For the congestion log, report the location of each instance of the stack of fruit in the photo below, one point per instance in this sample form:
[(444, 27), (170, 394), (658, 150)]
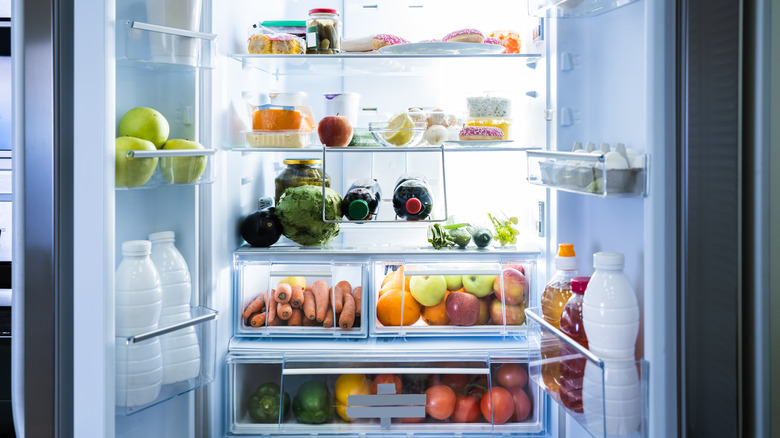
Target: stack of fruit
[(145, 129), (462, 300)]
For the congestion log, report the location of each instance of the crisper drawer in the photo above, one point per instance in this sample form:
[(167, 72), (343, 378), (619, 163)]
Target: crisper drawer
[(301, 299), (469, 297), (323, 395)]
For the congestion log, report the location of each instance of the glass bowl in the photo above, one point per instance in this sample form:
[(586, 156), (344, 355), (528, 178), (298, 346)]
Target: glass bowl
[(397, 137)]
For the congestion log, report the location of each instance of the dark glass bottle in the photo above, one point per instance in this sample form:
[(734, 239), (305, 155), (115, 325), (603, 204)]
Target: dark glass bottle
[(361, 202), (412, 198)]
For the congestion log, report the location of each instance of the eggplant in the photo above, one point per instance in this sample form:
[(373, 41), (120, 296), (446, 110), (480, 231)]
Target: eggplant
[(261, 228)]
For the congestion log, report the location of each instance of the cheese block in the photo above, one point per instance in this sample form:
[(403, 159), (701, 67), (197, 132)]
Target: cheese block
[(288, 118), (278, 139)]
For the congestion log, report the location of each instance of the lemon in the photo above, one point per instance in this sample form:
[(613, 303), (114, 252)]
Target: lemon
[(294, 281), (399, 130)]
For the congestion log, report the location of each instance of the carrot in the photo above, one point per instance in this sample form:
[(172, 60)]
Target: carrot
[(271, 309), (296, 298), (257, 319), (284, 311), (320, 291), (356, 296), (254, 306), (307, 288), (341, 289), (309, 322), (296, 319), (328, 321), (283, 293), (308, 304), (276, 322), (347, 317)]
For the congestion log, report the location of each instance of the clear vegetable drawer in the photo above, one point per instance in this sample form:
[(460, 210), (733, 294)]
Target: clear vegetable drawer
[(342, 393), (298, 298), (469, 297)]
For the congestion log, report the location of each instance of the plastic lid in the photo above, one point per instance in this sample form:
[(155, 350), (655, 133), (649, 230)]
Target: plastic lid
[(358, 209), (323, 11), (579, 284), (565, 259), (283, 23), (303, 161), (608, 260), (137, 247), (413, 205), (162, 235)]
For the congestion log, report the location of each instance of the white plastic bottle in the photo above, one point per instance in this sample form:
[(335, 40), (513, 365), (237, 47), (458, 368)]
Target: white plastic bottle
[(612, 401), (138, 307), (610, 311), (180, 349)]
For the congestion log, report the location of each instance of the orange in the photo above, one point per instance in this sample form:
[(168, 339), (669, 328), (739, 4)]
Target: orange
[(436, 315), (388, 277), (389, 308)]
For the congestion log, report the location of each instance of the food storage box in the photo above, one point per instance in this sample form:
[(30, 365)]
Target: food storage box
[(349, 392), (288, 138)]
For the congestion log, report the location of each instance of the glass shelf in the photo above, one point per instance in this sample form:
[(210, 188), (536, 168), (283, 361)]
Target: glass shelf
[(584, 173), (159, 47), (608, 398), (174, 167), (354, 64), (573, 8), (511, 147), (363, 251), (134, 349)]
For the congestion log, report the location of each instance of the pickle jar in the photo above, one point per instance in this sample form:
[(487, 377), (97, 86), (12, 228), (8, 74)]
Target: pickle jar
[(323, 32), (300, 172)]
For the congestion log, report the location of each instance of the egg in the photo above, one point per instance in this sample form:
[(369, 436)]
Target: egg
[(614, 160)]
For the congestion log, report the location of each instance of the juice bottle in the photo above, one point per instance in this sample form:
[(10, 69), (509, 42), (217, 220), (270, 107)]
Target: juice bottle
[(572, 370), (554, 297), (361, 202), (412, 198)]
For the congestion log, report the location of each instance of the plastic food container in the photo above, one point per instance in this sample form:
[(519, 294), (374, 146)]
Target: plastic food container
[(297, 28), (489, 105), (278, 139), (504, 124)]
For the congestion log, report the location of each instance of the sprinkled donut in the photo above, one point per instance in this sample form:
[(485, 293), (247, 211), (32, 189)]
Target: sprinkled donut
[(465, 36), (480, 133), (384, 39), (371, 42), (492, 40)]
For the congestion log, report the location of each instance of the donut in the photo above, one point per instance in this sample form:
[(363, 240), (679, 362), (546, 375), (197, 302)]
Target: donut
[(433, 40), (492, 40), (465, 36), (384, 39), (371, 42), (469, 133)]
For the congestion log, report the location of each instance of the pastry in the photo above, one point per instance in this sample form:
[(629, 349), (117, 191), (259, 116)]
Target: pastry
[(372, 42), (465, 36), (471, 133), (492, 40), (279, 44)]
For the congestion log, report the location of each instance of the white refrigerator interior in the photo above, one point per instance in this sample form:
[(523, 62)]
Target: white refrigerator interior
[(588, 72)]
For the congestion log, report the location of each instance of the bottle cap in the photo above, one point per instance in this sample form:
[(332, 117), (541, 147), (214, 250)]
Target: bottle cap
[(413, 205), (579, 284), (358, 209), (566, 258), (265, 202), (608, 260), (137, 247), (163, 236)]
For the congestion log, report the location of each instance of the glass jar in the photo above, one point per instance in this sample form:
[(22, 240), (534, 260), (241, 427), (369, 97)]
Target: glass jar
[(323, 32), (300, 172)]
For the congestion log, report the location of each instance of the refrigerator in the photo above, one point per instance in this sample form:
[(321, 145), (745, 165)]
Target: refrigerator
[(590, 71)]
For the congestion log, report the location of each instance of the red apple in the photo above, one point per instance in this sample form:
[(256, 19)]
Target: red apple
[(484, 311), (515, 287), (515, 315), (518, 267), (334, 131)]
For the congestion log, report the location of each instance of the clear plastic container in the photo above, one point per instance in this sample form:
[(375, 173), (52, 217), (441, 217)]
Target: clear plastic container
[(293, 138)]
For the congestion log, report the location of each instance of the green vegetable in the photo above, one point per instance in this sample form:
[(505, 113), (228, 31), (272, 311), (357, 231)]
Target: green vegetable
[(362, 137), (482, 236), (461, 236), (300, 212), (313, 403), (439, 237), (266, 401), (505, 230)]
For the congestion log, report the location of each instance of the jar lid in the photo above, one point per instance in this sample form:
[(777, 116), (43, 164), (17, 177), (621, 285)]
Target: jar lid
[(579, 284), (323, 11), (303, 161)]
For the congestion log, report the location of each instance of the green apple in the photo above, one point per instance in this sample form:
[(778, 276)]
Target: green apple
[(479, 285), (428, 290), (146, 124), (133, 172), (454, 282), (182, 170)]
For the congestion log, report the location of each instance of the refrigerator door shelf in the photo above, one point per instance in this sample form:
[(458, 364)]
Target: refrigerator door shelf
[(606, 397), (136, 361), (375, 389), (372, 64), (162, 47), (171, 167), (584, 173), (573, 8)]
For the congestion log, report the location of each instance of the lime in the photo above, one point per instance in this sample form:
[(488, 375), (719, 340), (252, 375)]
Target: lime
[(400, 130)]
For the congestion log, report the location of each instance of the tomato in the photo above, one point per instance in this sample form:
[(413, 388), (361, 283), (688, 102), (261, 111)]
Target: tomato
[(522, 404), (497, 405), (386, 378), (510, 375), (457, 382), (411, 419), (440, 402), (466, 409)]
